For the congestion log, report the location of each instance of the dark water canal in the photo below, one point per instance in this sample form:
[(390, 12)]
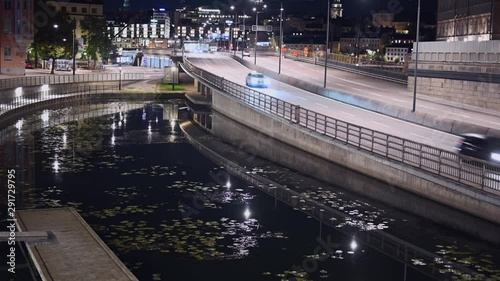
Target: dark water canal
[(137, 181)]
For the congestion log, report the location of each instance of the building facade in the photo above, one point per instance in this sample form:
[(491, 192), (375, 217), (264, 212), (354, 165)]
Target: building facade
[(359, 45), (400, 51), (461, 20), (151, 33), (17, 33), (77, 10)]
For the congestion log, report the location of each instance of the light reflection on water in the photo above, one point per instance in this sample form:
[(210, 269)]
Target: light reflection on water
[(145, 210)]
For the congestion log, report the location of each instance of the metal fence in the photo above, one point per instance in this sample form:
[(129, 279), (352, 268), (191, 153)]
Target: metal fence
[(470, 171), (27, 81), (14, 108)]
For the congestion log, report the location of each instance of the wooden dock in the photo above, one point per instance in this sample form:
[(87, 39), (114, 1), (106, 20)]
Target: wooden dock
[(79, 254)]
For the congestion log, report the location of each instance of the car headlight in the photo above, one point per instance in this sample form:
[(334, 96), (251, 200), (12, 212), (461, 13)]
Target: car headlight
[(495, 156)]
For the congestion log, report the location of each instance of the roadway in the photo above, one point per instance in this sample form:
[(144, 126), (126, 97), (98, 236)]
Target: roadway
[(380, 90), (235, 72)]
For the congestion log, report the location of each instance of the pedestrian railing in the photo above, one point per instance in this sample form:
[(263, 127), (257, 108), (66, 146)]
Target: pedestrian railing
[(13, 108), (473, 172), (89, 108), (28, 81)]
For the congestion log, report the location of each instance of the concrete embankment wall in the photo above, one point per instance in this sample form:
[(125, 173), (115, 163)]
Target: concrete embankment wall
[(464, 83), (437, 122), (461, 197), (350, 180)]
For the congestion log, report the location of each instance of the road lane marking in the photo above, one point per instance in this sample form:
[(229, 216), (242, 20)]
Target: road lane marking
[(428, 107), (420, 136), (346, 113), (340, 84), (397, 100), (458, 114), (322, 105), (496, 123), (356, 89), (300, 98), (374, 94), (380, 124)]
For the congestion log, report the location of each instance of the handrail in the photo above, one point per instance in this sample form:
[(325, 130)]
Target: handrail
[(473, 172), (27, 81)]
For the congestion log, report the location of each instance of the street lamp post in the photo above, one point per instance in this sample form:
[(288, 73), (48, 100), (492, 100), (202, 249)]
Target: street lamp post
[(74, 56), (120, 81), (256, 29), (416, 59), (235, 24), (281, 35), (327, 40), (244, 42)]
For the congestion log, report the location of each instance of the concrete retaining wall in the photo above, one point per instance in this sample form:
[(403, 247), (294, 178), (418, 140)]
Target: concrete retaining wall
[(469, 84), (448, 125), (458, 196), (320, 168)]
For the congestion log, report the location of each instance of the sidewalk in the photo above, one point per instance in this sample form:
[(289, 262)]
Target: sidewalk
[(153, 86)]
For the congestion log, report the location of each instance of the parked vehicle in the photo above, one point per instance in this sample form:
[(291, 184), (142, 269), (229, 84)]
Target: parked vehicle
[(28, 65), (246, 53), (255, 79), (64, 65), (479, 146)]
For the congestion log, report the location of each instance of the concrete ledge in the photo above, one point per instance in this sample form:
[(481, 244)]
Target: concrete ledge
[(468, 199)]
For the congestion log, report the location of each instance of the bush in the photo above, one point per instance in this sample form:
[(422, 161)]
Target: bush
[(396, 59)]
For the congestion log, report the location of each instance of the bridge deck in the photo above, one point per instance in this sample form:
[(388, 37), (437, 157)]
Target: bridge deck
[(79, 255)]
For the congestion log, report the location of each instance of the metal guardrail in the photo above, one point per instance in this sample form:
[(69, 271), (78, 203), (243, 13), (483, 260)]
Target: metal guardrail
[(14, 108), (378, 72), (27, 81), (91, 110), (473, 172)]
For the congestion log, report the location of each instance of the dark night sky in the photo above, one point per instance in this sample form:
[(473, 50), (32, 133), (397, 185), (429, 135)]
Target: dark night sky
[(352, 8)]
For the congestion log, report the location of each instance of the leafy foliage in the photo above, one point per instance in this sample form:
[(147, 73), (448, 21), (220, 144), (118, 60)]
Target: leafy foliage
[(54, 39), (98, 43)]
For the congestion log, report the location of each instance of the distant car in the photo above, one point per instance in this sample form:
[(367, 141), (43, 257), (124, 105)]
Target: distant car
[(255, 79), (28, 65), (479, 146), (246, 53)]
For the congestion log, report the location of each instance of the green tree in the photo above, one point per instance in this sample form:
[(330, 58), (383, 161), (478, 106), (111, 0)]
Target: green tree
[(97, 39), (396, 59), (54, 39)]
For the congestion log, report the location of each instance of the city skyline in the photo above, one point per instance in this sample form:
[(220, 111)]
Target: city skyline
[(405, 9)]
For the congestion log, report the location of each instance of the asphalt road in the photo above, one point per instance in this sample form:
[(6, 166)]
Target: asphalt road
[(386, 92), (233, 71)]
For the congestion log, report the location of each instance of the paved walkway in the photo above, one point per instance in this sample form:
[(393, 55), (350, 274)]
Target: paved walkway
[(80, 255)]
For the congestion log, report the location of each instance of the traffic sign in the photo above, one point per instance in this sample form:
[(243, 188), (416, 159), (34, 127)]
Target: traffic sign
[(269, 28)]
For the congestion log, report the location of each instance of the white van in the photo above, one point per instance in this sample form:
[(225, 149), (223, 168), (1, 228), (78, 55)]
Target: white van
[(64, 65)]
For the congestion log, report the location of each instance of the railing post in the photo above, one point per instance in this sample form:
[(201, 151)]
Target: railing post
[(297, 114)]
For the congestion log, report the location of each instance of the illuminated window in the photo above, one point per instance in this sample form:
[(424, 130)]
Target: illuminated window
[(7, 55)]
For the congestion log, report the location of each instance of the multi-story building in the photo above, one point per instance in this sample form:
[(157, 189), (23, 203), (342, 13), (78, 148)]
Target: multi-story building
[(154, 31), (400, 51), (353, 45), (17, 33), (77, 11), (387, 20), (468, 20)]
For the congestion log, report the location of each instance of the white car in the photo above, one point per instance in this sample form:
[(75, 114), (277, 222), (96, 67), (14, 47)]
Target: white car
[(246, 54), (255, 79)]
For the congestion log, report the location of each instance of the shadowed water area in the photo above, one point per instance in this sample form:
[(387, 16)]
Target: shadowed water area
[(158, 203)]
